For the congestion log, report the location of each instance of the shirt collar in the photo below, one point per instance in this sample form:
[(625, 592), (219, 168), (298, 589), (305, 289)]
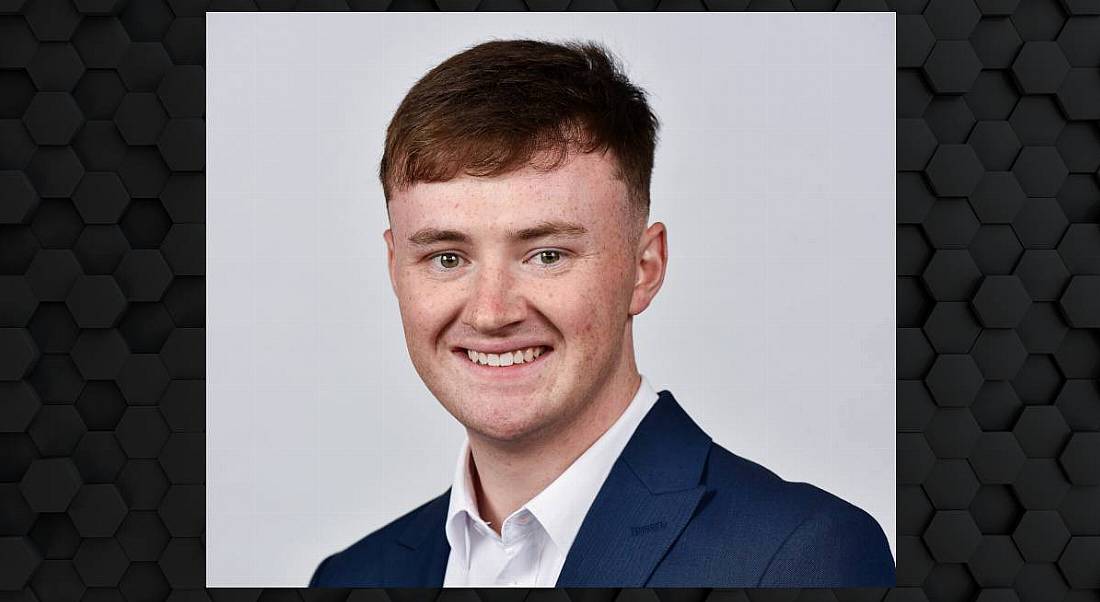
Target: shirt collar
[(561, 507)]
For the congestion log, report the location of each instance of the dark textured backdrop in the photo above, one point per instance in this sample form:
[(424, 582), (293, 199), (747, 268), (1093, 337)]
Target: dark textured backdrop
[(102, 300)]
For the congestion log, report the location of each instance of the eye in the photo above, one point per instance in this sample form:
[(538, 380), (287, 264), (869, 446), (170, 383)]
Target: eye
[(547, 257), (448, 260)]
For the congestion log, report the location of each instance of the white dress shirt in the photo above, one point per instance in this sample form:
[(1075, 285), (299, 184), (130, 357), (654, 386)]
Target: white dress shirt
[(535, 539)]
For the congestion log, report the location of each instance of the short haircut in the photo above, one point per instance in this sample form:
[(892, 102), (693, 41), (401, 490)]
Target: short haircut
[(502, 105)]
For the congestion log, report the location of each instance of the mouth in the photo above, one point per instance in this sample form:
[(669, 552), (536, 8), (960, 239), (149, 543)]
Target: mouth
[(513, 361)]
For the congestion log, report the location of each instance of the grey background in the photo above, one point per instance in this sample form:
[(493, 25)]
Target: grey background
[(774, 174)]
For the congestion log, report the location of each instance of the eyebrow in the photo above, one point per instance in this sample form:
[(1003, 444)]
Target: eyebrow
[(429, 236)]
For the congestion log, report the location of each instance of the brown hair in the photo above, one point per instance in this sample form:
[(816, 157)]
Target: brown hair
[(496, 107)]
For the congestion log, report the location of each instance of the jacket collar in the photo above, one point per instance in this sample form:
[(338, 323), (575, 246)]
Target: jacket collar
[(642, 507)]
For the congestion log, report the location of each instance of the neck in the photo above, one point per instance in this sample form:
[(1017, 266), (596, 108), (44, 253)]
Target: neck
[(507, 475)]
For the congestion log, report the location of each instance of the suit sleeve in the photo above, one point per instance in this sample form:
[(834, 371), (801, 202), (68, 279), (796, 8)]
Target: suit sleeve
[(841, 547), (318, 580)]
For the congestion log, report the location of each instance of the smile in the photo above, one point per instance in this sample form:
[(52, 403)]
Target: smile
[(507, 358)]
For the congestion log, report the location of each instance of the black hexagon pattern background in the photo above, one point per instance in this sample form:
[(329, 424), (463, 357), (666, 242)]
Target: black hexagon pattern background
[(102, 293)]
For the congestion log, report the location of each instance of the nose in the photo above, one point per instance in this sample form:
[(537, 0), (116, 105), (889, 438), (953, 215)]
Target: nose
[(494, 302)]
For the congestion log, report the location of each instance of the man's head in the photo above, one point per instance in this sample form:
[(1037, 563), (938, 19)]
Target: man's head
[(517, 179)]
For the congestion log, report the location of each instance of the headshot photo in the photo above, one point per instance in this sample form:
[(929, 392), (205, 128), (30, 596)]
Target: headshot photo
[(530, 306)]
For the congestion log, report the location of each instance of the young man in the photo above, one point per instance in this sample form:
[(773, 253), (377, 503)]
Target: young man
[(516, 177)]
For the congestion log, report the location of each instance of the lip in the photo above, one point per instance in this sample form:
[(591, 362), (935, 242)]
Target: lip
[(499, 347), (502, 372)]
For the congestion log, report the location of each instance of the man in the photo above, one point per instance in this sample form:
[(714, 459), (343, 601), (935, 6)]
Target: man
[(516, 177)]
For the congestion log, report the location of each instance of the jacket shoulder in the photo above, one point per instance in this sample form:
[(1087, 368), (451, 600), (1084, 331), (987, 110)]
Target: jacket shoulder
[(805, 536), (360, 564)]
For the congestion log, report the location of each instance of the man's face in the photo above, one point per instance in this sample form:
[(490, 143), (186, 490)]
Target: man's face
[(516, 292)]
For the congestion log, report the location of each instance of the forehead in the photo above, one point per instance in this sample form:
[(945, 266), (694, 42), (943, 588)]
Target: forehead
[(582, 189)]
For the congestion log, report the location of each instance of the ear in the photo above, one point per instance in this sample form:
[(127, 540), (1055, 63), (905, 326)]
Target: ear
[(391, 259), (652, 259)]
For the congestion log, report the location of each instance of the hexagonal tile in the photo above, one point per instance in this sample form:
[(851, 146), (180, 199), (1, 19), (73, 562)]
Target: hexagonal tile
[(100, 405), (1040, 224), (17, 43), (1043, 274), (183, 458), (183, 563), (1080, 41), (146, 326), (186, 301), (18, 516), (52, 274), (18, 302), (49, 484), (952, 433), (952, 67), (951, 19), (915, 355), (182, 510), (1040, 67), (96, 301), (184, 408), (19, 353), (56, 429), (1038, 19), (1038, 582), (1079, 94), (100, 198), (55, 535), (914, 561), (99, 353), (56, 224), (143, 378), (140, 118), (55, 171), (951, 275), (1042, 328), (55, 67), (1079, 459), (995, 249), (99, 93), (148, 21), (18, 147), (1080, 198), (1001, 301), (1079, 354), (914, 459), (950, 582), (951, 484), (1038, 381), (143, 171), (1081, 7), (997, 198), (993, 95), (99, 146), (1079, 402), (1041, 484), (184, 197), (995, 562), (100, 562), (913, 251), (913, 94), (996, 43), (914, 510), (20, 562), (142, 483), (143, 536), (1081, 562), (913, 303), (1037, 120), (995, 143), (186, 41), (18, 91), (950, 119), (97, 510), (997, 458), (999, 354), (951, 327), (20, 200), (184, 249), (995, 510), (146, 223), (144, 581), (142, 432), (1041, 536), (101, 42), (1079, 302), (1079, 146), (98, 457), (143, 65), (100, 248), (1080, 248), (952, 536), (1041, 431), (56, 379), (1040, 170), (143, 275), (955, 170), (20, 405), (182, 91), (914, 40), (950, 224), (915, 144), (52, 20)]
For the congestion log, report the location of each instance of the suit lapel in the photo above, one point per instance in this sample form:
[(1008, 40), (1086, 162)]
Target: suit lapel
[(418, 558), (644, 504)]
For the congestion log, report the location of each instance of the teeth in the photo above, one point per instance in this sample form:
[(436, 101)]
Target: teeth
[(519, 356)]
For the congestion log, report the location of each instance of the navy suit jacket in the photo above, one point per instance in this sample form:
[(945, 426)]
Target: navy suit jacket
[(676, 510)]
